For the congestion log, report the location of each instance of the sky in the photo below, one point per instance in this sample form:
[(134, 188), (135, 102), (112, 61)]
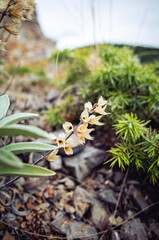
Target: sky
[(75, 23)]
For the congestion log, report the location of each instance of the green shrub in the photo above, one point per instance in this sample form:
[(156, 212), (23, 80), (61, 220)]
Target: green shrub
[(129, 86), (138, 147)]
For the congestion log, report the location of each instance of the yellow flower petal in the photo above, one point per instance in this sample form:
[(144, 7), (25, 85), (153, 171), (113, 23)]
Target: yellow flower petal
[(52, 156), (82, 127)]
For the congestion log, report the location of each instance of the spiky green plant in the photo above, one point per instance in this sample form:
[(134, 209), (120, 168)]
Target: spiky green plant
[(138, 147)]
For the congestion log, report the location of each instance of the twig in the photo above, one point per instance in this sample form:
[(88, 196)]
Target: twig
[(83, 237), (121, 190), (119, 197)]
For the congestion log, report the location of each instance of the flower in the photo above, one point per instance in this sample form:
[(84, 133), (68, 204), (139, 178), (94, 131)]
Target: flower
[(83, 132), (61, 140), (68, 127), (95, 120), (88, 106), (11, 28), (100, 110), (68, 147), (85, 116), (82, 127), (52, 156), (53, 138), (3, 5), (101, 101), (16, 11)]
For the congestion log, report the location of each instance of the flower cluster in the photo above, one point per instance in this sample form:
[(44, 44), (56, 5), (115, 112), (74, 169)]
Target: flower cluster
[(82, 131), (12, 12)]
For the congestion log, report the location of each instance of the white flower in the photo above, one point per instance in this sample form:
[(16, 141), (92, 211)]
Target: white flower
[(61, 140), (53, 138), (68, 147), (88, 106), (95, 120), (85, 116), (101, 101), (100, 110), (68, 127)]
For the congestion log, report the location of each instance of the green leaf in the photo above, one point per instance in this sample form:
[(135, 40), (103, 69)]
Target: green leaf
[(29, 147), (9, 159), (26, 170), (16, 118), (4, 105), (18, 129)]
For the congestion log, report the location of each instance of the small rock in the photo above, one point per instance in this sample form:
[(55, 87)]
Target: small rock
[(72, 228), (134, 229), (70, 184), (99, 214), (117, 177), (53, 94), (137, 195), (107, 195), (57, 165), (82, 201), (69, 209), (83, 163)]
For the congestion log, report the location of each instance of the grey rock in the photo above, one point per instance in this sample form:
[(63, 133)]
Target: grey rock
[(82, 201), (117, 177), (139, 198), (83, 163), (70, 184), (99, 214), (53, 94), (107, 195), (57, 165), (134, 229), (72, 228)]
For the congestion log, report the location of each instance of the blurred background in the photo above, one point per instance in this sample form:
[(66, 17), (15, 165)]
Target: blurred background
[(76, 23)]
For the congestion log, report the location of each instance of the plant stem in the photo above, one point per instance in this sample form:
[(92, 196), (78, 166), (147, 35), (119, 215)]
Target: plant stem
[(121, 191)]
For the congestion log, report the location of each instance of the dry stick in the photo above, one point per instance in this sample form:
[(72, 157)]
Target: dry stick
[(121, 190), (91, 235), (119, 197)]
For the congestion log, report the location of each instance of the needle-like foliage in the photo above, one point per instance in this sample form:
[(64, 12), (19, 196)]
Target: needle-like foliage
[(138, 146)]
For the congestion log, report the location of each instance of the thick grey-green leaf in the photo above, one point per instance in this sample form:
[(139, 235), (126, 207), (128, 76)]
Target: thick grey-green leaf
[(29, 147), (18, 129), (26, 170), (16, 118), (9, 159), (4, 105)]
